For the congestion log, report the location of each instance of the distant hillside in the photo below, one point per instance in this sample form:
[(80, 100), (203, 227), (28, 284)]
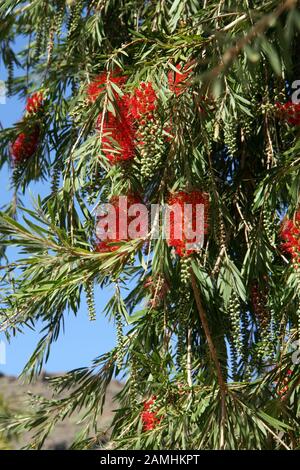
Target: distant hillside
[(15, 394)]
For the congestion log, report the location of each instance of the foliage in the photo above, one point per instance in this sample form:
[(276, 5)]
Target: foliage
[(6, 436), (215, 368)]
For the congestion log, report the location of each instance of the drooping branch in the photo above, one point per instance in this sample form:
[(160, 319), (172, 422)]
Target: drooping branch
[(213, 353)]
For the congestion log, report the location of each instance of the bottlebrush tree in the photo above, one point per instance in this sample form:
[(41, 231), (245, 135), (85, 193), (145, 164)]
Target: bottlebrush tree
[(162, 101)]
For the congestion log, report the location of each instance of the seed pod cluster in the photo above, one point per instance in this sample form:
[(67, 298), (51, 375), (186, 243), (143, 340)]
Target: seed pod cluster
[(185, 269), (231, 137), (90, 299), (234, 314), (149, 132), (259, 300)]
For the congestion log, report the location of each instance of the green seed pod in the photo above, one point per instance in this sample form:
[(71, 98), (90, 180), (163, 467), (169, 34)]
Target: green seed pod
[(230, 137), (120, 338), (89, 290), (234, 314)]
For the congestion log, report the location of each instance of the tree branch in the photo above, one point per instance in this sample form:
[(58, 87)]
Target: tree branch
[(259, 28), (214, 355)]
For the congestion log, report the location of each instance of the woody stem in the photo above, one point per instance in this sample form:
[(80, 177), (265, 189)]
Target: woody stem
[(213, 353)]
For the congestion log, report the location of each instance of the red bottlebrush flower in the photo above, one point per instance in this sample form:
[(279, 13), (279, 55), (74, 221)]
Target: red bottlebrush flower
[(182, 223), (289, 112), (290, 234), (97, 86), (142, 103), (25, 146), (107, 245), (103, 246), (122, 216), (118, 133), (35, 102), (177, 80), (117, 138), (117, 130), (149, 415)]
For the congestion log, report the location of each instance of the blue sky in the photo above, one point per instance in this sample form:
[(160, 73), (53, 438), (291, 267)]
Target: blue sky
[(82, 340)]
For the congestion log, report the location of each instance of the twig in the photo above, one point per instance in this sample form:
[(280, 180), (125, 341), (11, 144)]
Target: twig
[(269, 146), (189, 358), (235, 22), (218, 262), (276, 437), (247, 228)]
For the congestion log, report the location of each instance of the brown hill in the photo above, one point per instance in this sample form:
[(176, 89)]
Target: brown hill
[(16, 396)]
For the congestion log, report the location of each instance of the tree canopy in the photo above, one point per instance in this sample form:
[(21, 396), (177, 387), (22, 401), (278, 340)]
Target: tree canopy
[(161, 102)]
